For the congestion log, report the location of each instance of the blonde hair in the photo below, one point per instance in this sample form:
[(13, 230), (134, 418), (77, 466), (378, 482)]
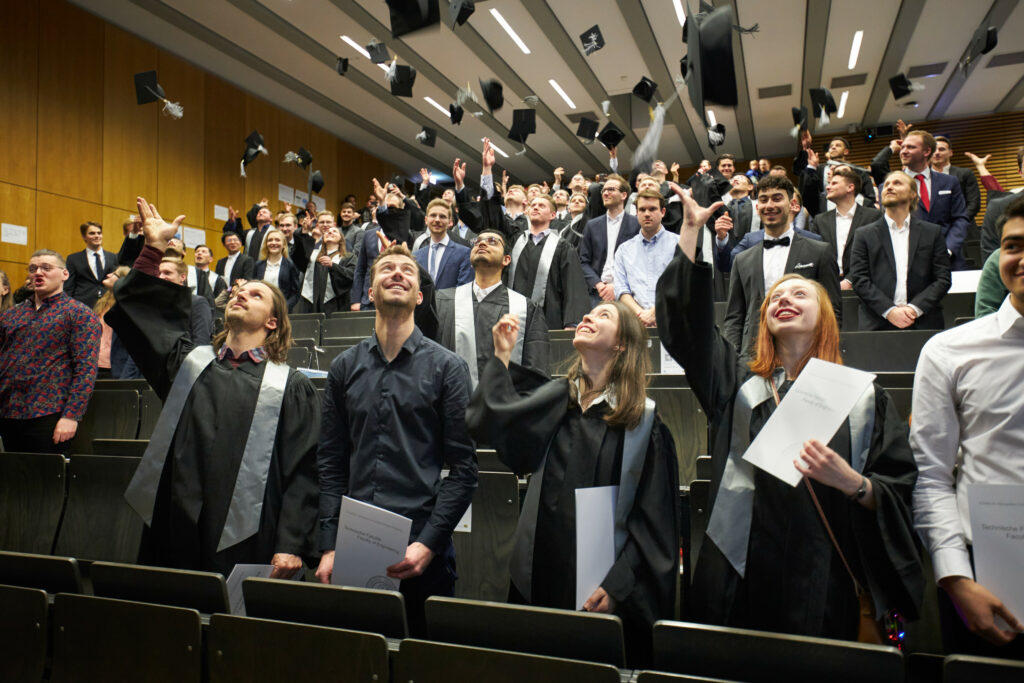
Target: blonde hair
[(106, 302), (265, 253)]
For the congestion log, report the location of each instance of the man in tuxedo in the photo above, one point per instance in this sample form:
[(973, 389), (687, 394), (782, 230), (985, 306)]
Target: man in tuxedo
[(781, 250), (87, 268), (899, 266), (990, 233), (235, 265), (941, 199), (602, 236), (201, 280), (446, 261), (968, 182), (837, 227)]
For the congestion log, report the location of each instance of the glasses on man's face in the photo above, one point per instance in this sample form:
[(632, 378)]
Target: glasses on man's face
[(45, 267), (489, 240)]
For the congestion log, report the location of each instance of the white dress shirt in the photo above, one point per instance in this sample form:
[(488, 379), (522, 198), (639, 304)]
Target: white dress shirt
[(482, 294), (967, 396), (774, 259), (90, 257), (900, 236), (273, 273), (608, 270), (230, 264), (927, 189), (843, 225)]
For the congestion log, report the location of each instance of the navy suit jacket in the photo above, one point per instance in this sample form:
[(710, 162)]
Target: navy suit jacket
[(594, 245), (725, 258), (289, 279), (454, 269), (368, 251)]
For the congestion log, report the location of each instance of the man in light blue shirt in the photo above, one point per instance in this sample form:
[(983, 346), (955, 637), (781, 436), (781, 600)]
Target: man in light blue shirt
[(640, 260)]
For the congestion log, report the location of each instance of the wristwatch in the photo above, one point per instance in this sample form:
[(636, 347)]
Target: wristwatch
[(862, 491)]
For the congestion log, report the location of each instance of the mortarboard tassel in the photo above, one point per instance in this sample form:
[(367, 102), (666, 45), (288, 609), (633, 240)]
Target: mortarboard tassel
[(173, 109), (465, 95), (647, 151), (715, 138), (794, 132), (532, 101), (756, 28), (241, 167), (392, 70), (823, 120), (421, 136), (291, 157), (521, 152)]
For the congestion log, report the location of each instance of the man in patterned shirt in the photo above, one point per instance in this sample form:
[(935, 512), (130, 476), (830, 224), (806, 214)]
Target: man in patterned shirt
[(48, 348)]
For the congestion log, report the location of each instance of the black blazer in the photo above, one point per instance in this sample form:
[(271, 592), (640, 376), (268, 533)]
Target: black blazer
[(990, 235), (807, 257), (594, 245), (824, 224), (289, 280), (969, 186), (873, 273), (243, 269), (81, 283)]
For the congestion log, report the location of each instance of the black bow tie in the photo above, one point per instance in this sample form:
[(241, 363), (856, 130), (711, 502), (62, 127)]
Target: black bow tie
[(781, 242)]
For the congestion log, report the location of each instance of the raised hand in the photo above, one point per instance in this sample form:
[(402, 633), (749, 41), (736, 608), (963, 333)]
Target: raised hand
[(459, 174), (723, 226), (425, 175), (805, 139), (902, 128), (558, 173), (812, 157), (694, 218), (378, 191), (487, 158), (155, 229), (264, 202), (384, 241), (895, 144), (232, 214), (505, 333)]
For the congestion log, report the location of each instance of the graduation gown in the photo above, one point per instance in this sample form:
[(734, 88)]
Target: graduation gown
[(565, 300), (339, 275), (581, 451), (794, 580), (151, 318)]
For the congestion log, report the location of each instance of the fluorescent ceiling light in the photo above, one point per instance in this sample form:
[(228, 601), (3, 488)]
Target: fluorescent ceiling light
[(842, 104), (508, 29), (855, 49), (711, 118), (356, 46), (496, 149), (680, 14), (558, 89), (435, 105)]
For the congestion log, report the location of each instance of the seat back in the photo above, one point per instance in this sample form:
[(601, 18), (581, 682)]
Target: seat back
[(150, 406), (45, 572), (347, 325), (133, 448), (23, 633), (662, 677), (326, 354), (687, 422), (885, 351), (205, 592), (111, 414), (700, 513), (306, 328), (298, 357), (484, 553), (968, 669), (31, 500)]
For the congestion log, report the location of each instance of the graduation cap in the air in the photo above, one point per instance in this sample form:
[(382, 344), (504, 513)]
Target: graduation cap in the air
[(901, 86), (316, 182), (611, 135), (378, 52), (710, 71), (342, 65), (148, 90), (412, 15), (592, 40), (427, 136), (303, 158), (524, 122), (799, 121), (982, 42), (455, 112), (824, 104), (493, 94), (253, 148), (645, 89), (587, 129), (400, 78), (459, 12), (716, 135)]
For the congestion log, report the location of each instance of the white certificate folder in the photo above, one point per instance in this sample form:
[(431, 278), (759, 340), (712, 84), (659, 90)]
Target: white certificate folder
[(997, 531), (370, 539)]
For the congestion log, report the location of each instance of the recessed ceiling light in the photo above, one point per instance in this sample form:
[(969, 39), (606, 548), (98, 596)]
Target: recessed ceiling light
[(712, 121), (680, 14), (433, 103), (356, 46), (508, 29), (558, 89), (496, 149), (842, 104), (855, 49)]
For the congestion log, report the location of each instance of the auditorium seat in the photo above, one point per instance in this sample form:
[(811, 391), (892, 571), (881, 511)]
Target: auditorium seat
[(98, 523), (851, 312), (111, 384), (31, 500), (921, 667), (205, 592), (298, 357), (586, 636), (703, 470), (662, 677), (759, 656), (344, 324), (487, 460), (325, 354), (45, 572), (957, 305), (149, 411), (359, 609), (133, 448), (98, 639), (967, 669), (343, 342), (304, 327), (427, 662), (248, 649), (482, 555), (886, 351), (111, 415), (23, 634)]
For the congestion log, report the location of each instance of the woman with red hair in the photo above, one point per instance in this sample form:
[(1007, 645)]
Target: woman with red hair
[(769, 561)]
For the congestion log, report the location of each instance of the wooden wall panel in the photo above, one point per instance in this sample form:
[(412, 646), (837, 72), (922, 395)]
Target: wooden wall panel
[(16, 272), (70, 127), (327, 163), (180, 177), (18, 207), (19, 83), (292, 133), (356, 168), (224, 139), (58, 219), (263, 173)]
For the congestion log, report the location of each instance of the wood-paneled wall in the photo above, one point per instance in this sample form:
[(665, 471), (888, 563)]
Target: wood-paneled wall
[(76, 147)]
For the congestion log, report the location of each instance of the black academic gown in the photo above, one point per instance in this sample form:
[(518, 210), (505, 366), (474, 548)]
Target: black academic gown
[(525, 421), (151, 318), (339, 275), (566, 300), (795, 581)]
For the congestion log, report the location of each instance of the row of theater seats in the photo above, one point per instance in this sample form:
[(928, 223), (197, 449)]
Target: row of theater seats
[(139, 623)]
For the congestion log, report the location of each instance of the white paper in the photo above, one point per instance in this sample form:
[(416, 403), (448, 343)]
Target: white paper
[(301, 198), (320, 202), (14, 234), (220, 213), (813, 408), (465, 524), (240, 573), (194, 237), (997, 528), (370, 539), (669, 366), (595, 538), (285, 193), (965, 281)]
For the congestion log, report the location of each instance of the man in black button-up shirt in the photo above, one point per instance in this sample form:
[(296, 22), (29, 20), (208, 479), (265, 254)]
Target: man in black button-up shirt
[(393, 417)]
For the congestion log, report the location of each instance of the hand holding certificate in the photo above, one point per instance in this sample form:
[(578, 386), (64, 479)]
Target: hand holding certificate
[(997, 530)]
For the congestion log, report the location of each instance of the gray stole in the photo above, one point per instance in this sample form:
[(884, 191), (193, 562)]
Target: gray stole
[(634, 454), (247, 499), (192, 279), (729, 526), (465, 328), (547, 255)]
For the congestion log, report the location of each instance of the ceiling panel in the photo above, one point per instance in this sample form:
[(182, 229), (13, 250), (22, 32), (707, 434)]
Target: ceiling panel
[(985, 88)]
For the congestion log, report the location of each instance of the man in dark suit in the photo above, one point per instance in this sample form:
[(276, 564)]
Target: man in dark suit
[(87, 268), (965, 176), (837, 152), (725, 258), (780, 251), (990, 234), (602, 236), (941, 199), (200, 280), (899, 266), (837, 227), (445, 260), (300, 245), (235, 265)]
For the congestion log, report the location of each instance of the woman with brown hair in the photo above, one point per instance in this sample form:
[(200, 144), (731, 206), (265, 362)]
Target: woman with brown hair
[(328, 279), (768, 562), (594, 428)]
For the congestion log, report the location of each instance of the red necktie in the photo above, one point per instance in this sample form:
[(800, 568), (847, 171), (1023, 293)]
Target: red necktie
[(922, 190)]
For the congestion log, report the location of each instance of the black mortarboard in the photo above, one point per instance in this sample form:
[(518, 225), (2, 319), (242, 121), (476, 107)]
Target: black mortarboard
[(524, 122), (459, 12), (342, 65), (412, 15), (316, 182), (397, 180), (587, 129), (799, 120), (378, 52), (645, 89), (592, 40), (711, 73), (455, 112), (427, 136), (147, 89), (253, 148), (493, 94), (716, 135), (401, 83), (303, 158), (611, 135), (824, 104), (901, 86)]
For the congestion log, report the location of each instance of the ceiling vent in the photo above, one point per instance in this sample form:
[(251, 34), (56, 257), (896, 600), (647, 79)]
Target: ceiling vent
[(926, 70), (1005, 59), (775, 91), (851, 81)]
